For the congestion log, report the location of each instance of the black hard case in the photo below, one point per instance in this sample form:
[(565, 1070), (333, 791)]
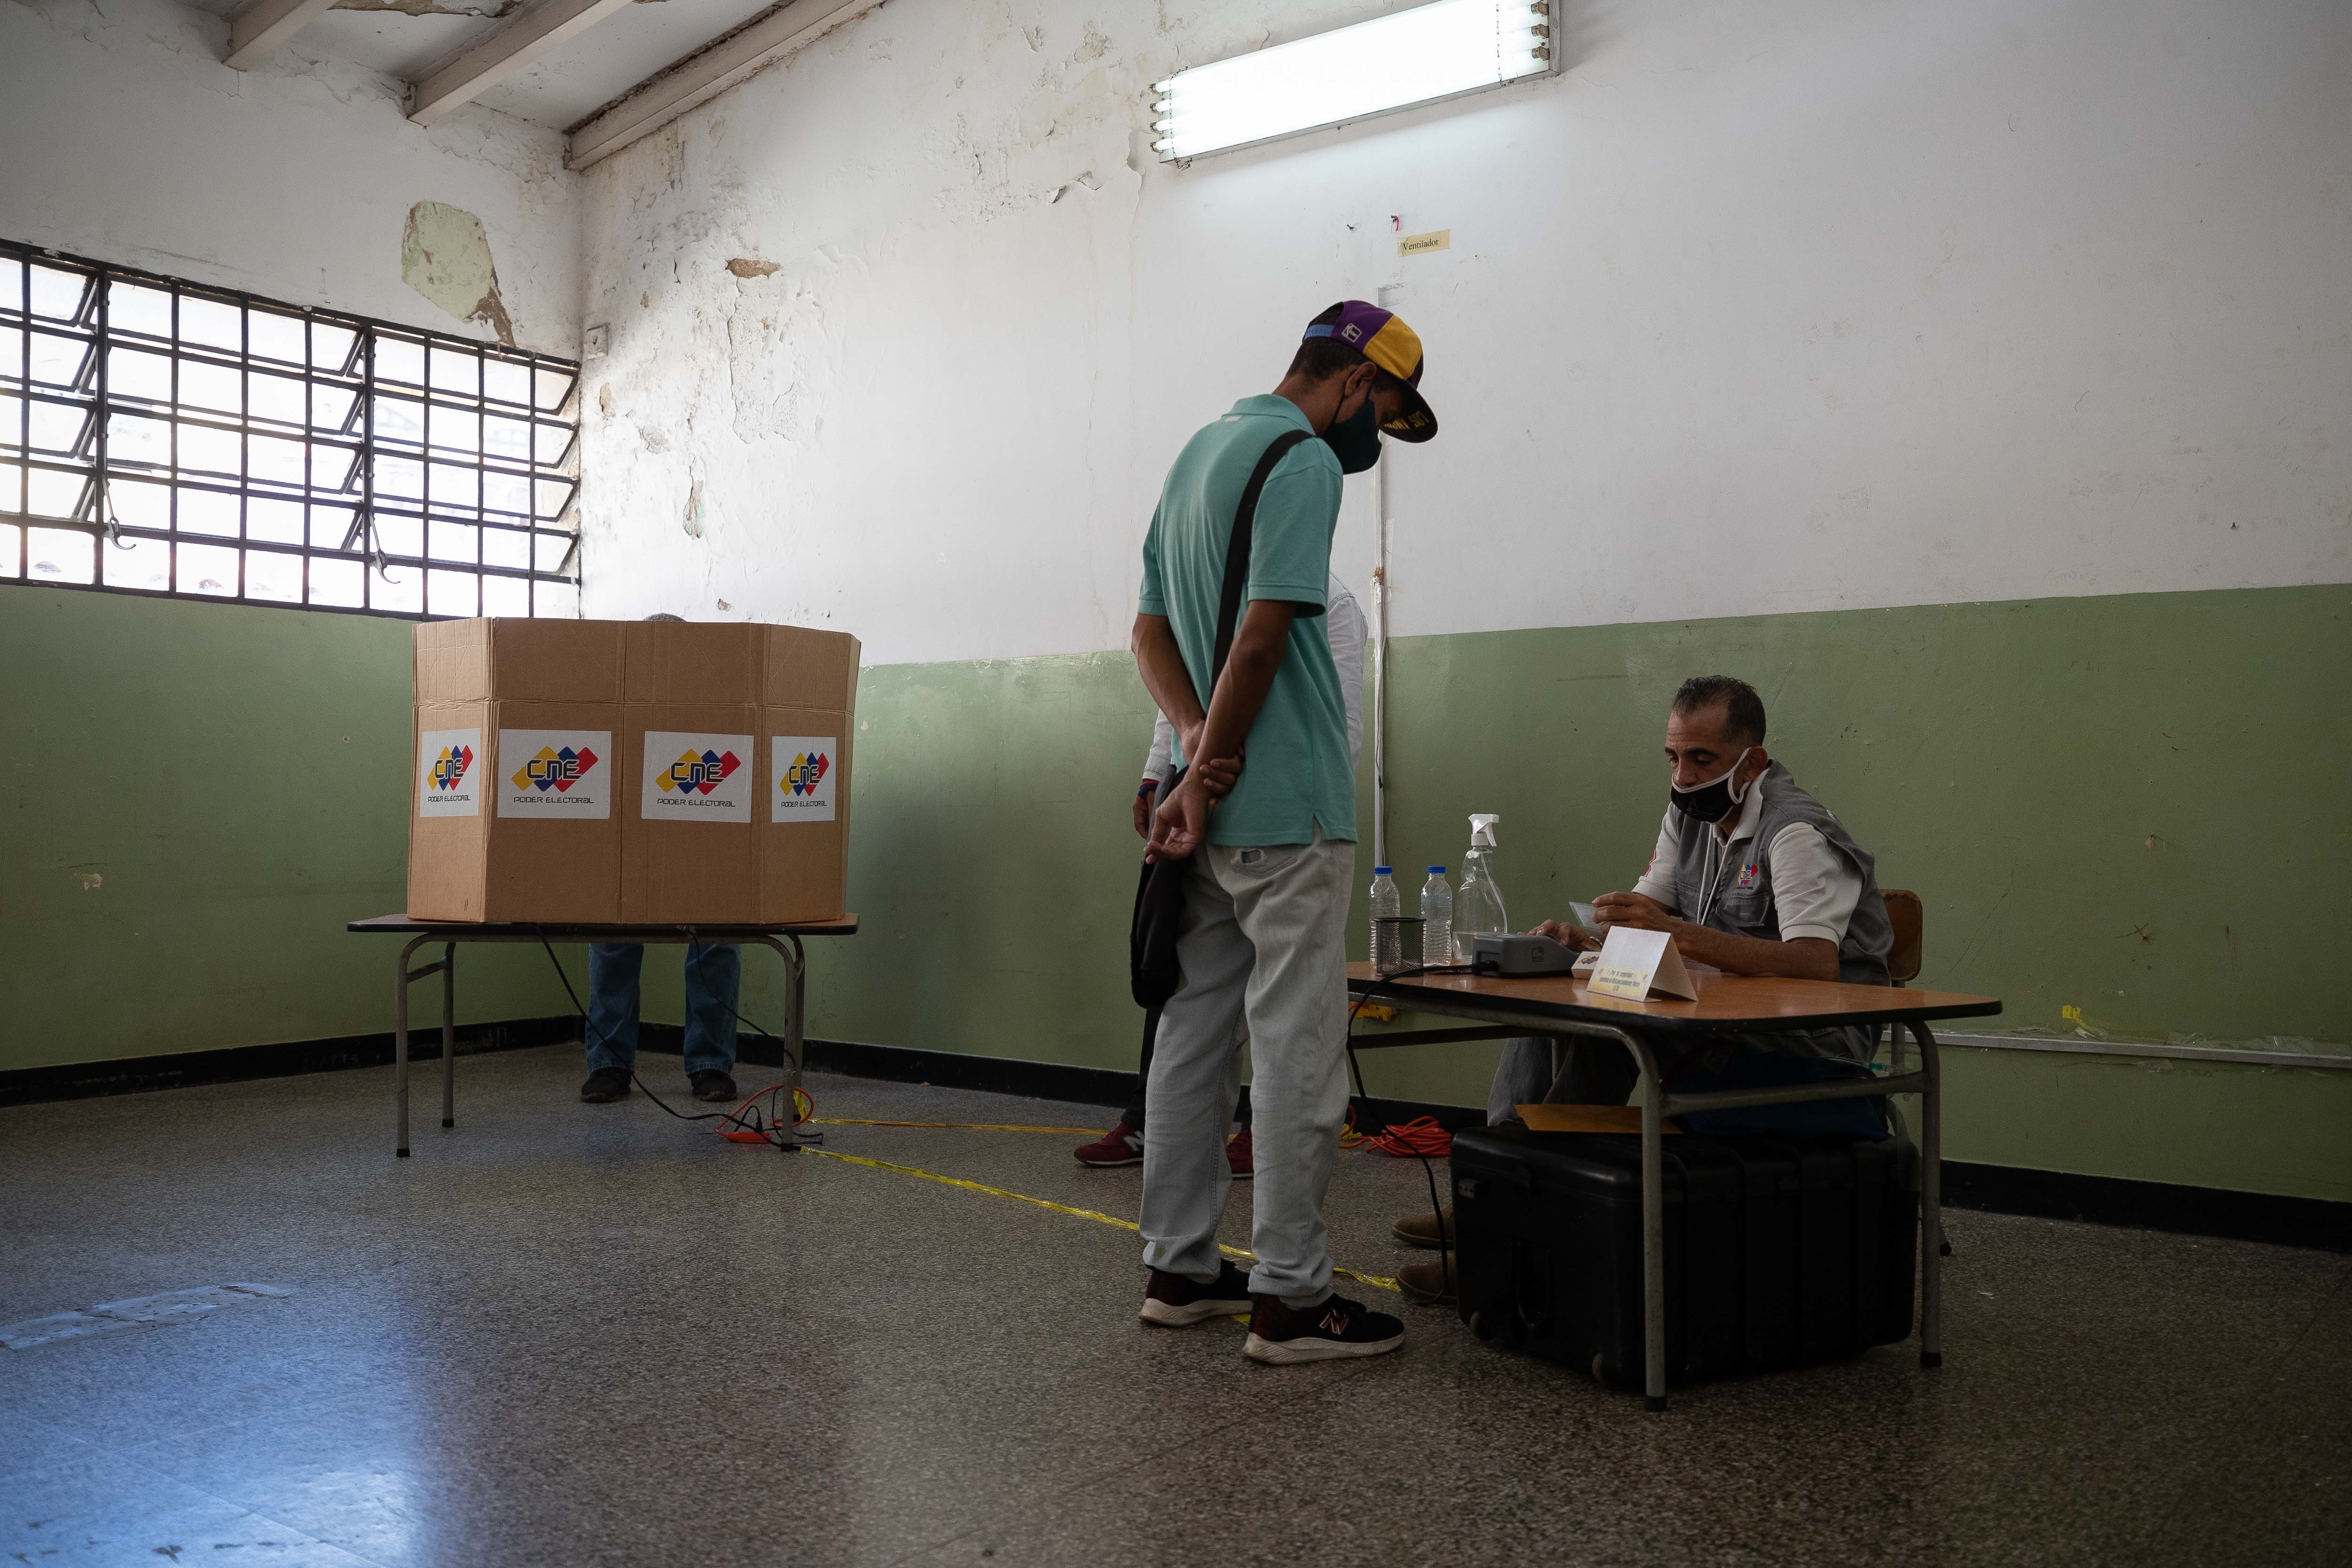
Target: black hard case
[(1780, 1252)]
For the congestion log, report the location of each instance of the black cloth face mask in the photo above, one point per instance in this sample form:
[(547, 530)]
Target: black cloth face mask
[(1356, 440), (1712, 801)]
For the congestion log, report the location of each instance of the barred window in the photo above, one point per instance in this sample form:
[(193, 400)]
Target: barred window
[(162, 437)]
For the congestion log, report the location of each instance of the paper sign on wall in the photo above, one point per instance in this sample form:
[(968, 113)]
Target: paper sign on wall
[(803, 767), (1635, 962), (449, 770), (692, 777), (556, 772)]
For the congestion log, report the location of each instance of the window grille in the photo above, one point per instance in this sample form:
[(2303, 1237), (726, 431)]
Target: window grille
[(162, 437)]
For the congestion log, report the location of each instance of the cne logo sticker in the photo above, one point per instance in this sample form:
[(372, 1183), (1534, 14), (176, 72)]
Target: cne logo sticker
[(447, 783), (1746, 876), (699, 776), (555, 773), (804, 769), (807, 770), (552, 769)]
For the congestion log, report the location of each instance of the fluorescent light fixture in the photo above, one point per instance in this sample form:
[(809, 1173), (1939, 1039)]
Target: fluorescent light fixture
[(1430, 52)]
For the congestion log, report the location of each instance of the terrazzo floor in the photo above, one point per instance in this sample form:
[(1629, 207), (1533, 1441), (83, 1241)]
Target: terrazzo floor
[(563, 1334)]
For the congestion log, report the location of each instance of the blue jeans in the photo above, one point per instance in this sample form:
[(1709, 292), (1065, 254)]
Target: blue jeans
[(712, 975)]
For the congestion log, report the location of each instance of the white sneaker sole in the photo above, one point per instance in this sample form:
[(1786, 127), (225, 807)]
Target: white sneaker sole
[(1168, 1315), (1290, 1352)]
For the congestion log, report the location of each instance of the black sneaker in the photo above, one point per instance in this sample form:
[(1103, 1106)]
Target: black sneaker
[(604, 1086), (1332, 1328), (1176, 1301), (711, 1087)]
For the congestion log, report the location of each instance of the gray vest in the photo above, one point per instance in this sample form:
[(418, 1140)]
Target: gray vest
[(1740, 901)]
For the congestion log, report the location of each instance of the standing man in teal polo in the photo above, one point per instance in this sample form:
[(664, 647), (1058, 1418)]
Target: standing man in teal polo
[(1269, 865)]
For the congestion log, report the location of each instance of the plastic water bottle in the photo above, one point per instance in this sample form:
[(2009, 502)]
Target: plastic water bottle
[(1436, 918), (1479, 910), (1388, 944)]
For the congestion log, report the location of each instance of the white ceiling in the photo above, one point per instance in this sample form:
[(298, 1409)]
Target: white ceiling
[(572, 81)]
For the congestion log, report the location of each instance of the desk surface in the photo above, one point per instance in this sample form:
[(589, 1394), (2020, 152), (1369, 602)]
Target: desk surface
[(500, 930), (1749, 1002)]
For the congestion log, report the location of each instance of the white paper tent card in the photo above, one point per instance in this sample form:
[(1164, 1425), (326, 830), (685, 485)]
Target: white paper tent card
[(1635, 962)]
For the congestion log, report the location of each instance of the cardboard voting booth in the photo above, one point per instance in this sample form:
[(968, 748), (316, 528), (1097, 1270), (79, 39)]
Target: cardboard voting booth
[(637, 771)]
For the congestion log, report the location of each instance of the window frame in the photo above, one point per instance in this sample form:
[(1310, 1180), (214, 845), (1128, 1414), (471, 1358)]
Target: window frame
[(545, 416)]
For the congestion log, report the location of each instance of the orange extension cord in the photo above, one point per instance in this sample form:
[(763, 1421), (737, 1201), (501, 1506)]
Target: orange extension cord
[(1421, 1135)]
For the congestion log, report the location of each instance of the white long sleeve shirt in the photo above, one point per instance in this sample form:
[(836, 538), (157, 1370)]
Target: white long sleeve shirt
[(1343, 623)]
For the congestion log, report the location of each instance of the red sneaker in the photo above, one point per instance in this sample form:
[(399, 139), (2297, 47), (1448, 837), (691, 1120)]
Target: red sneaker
[(1122, 1145), (1238, 1157)]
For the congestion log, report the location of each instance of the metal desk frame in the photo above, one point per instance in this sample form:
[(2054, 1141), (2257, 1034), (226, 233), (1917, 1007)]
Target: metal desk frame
[(449, 935), (1656, 1106)]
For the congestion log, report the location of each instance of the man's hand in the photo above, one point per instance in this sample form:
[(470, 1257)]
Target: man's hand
[(1634, 909), (1568, 934), (1143, 797), (1181, 824), (1217, 775)]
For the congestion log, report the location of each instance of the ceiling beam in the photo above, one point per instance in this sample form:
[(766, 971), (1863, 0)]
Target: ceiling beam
[(459, 77), (257, 30), (696, 80)]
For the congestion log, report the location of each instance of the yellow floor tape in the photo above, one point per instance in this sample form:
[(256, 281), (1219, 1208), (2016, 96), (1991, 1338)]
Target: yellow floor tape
[(961, 1126), (1375, 1280)]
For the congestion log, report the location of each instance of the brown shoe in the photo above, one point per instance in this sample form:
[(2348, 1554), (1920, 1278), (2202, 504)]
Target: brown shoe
[(1420, 1228), (712, 1086), (1430, 1282)]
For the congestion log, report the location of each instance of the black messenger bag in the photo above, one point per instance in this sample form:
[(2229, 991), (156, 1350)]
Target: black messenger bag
[(1152, 971)]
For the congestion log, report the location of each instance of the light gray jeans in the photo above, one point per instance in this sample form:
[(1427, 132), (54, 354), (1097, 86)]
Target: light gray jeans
[(1263, 940)]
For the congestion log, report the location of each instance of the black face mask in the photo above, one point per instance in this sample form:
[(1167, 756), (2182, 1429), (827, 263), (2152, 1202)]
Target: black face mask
[(1356, 440), (1711, 801)]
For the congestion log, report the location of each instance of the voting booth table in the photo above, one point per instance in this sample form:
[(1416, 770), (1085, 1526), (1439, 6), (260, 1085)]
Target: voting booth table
[(784, 940), (1566, 1005), (629, 782)]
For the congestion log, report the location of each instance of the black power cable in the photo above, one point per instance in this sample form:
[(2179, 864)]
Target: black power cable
[(1436, 1208), (772, 1128)]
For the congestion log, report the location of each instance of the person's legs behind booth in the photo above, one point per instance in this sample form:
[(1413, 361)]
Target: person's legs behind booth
[(611, 1042), (714, 982)]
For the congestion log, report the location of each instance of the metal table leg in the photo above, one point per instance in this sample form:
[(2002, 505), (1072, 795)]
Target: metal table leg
[(402, 976), (1931, 1202), (1653, 1211), (795, 1023), (449, 1034), (1654, 1234)]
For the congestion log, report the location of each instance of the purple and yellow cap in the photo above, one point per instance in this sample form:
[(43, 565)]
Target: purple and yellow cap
[(1381, 337)]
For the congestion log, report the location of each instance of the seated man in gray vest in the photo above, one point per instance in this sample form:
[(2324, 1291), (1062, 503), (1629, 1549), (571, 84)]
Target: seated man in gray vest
[(1752, 875)]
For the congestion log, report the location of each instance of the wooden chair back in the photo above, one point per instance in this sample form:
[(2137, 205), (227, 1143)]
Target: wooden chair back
[(1909, 921)]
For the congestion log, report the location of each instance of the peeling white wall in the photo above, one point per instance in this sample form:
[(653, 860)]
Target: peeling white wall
[(1754, 309), (123, 137)]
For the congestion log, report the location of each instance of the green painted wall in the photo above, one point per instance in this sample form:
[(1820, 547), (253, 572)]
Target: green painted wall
[(2131, 805), (196, 798)]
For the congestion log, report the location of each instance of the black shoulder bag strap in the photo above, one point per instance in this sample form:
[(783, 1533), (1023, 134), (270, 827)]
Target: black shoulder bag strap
[(1152, 971)]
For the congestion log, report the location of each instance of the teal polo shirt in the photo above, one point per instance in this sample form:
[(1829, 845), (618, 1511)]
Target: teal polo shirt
[(1297, 776)]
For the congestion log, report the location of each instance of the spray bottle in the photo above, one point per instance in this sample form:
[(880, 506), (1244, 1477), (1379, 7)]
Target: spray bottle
[(1478, 912)]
